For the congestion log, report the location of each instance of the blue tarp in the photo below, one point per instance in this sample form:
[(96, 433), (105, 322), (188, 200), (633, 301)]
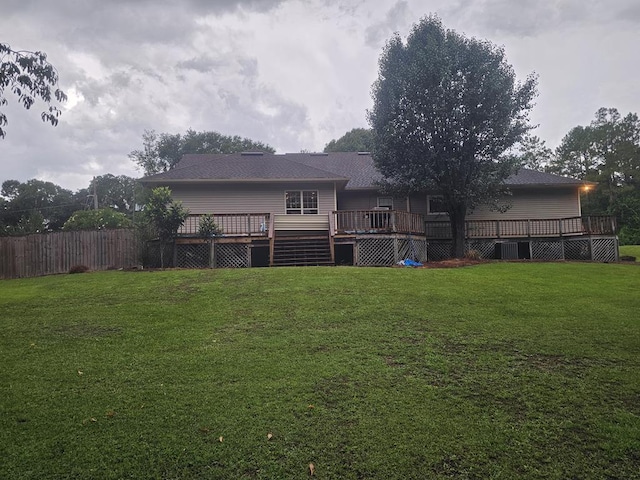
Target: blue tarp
[(407, 262)]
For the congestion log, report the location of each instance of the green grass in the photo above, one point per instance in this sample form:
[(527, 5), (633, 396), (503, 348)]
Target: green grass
[(632, 250), (503, 370)]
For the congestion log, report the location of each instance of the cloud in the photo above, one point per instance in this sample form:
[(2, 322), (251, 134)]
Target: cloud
[(397, 17), (527, 18)]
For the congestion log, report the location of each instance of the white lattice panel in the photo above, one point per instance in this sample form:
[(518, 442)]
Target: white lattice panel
[(547, 250), (192, 255), (604, 250), (232, 255), (439, 251), (376, 252), (577, 250), (485, 249), (411, 248)]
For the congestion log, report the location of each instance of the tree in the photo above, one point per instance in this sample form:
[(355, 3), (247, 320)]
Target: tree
[(606, 151), (166, 215), (36, 206), (355, 140), (29, 76), (118, 192), (101, 219), (161, 152), (446, 109), (534, 154)]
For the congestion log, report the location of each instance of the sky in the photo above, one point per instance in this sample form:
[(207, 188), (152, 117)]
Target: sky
[(291, 73)]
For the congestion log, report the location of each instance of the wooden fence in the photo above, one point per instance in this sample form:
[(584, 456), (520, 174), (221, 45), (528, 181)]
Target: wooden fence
[(50, 253)]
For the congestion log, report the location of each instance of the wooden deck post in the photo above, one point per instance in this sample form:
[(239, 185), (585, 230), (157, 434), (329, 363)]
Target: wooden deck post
[(272, 237)]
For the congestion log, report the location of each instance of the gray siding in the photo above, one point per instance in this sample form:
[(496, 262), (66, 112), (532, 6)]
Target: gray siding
[(532, 204), (535, 204), (247, 198), (366, 200)]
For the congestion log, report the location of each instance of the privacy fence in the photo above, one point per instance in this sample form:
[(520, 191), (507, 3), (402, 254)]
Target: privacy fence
[(50, 253)]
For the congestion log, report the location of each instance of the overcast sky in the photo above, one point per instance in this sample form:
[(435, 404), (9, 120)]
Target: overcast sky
[(292, 73)]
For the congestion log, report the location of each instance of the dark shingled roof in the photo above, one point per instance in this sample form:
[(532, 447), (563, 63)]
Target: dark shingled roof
[(533, 177), (357, 169), (242, 167)]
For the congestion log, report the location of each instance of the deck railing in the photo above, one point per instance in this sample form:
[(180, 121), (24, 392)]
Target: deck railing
[(560, 227), (377, 221), (240, 224)]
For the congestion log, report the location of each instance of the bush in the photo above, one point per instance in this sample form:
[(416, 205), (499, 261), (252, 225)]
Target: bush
[(208, 227), (629, 236), (96, 220), (473, 255), (79, 269)]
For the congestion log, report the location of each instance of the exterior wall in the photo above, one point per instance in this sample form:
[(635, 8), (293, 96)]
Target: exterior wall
[(367, 200), (301, 222), (548, 203), (247, 198)]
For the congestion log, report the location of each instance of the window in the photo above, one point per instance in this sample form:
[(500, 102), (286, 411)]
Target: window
[(301, 202), (385, 203), (435, 205)]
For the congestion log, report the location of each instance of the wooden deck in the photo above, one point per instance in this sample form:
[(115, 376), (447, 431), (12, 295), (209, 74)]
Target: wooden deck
[(375, 222), (529, 228)]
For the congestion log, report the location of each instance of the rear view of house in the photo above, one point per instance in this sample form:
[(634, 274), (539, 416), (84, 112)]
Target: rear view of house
[(326, 209)]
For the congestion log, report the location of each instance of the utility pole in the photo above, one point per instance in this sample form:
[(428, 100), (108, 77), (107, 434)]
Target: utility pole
[(95, 195)]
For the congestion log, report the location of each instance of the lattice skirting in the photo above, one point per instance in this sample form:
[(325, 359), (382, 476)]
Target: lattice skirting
[(547, 250), (389, 251), (232, 255), (596, 249), (604, 249), (193, 255), (485, 250)]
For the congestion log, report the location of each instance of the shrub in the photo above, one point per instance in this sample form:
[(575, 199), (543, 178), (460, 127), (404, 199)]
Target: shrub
[(473, 255), (96, 220), (208, 227), (79, 269)]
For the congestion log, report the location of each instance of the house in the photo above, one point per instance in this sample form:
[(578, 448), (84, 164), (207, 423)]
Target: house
[(325, 208)]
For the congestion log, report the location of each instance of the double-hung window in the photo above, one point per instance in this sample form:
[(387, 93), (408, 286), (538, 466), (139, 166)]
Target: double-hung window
[(301, 202), (435, 205)]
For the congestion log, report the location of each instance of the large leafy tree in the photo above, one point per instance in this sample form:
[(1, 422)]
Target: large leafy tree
[(162, 151), (29, 76), (355, 140), (118, 192), (446, 109), (606, 151), (36, 206)]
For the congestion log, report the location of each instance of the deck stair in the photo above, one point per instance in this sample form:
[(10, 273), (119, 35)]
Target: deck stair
[(301, 251)]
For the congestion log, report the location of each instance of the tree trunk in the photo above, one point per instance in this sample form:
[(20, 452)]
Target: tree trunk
[(457, 220), (162, 254)]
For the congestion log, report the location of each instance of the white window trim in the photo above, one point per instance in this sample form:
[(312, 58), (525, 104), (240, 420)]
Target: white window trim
[(390, 207), (301, 212)]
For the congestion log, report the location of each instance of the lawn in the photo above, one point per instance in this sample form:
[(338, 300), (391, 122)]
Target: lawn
[(630, 250), (501, 370)]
